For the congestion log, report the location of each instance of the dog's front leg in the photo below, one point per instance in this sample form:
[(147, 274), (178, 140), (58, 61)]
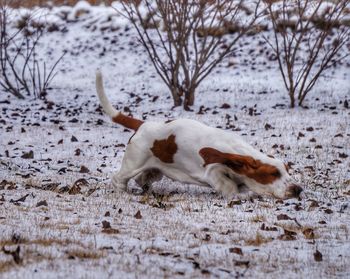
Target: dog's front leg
[(218, 178)]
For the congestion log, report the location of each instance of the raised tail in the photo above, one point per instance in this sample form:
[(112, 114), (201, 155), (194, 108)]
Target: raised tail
[(115, 115)]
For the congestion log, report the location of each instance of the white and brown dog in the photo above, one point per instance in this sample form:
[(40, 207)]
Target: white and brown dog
[(191, 152)]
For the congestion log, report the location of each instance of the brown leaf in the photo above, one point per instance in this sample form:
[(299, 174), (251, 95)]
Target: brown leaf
[(242, 263), (15, 254), (328, 211), (84, 169), (76, 188), (313, 204), (106, 224), (8, 185), (309, 233), (236, 250), (318, 256), (138, 215), (309, 129), (110, 231), (283, 217), (207, 237), (42, 203), (288, 235), (28, 155), (22, 199), (225, 106), (234, 202), (77, 152), (268, 126), (266, 228)]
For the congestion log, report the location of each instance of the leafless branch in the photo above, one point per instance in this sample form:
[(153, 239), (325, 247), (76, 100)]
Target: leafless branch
[(186, 40), (20, 70), (306, 27)]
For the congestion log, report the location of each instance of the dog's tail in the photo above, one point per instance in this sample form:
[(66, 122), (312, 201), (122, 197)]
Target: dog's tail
[(115, 115)]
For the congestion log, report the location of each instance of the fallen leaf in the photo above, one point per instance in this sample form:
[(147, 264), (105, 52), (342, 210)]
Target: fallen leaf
[(110, 231), (106, 224), (84, 169), (236, 250), (42, 203), (328, 211), (234, 202), (15, 254), (283, 217), (318, 256), (225, 106), (242, 263), (266, 228), (138, 215), (309, 233), (76, 188), (343, 155), (288, 235), (22, 199), (28, 155)]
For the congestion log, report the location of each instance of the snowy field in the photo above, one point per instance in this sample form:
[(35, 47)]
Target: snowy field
[(59, 220)]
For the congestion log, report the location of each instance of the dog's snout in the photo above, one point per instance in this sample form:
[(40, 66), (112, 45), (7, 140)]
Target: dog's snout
[(295, 190)]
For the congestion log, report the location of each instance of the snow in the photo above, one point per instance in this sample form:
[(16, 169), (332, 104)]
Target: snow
[(184, 230)]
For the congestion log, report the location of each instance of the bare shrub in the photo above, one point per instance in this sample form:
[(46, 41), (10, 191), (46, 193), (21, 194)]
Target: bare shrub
[(307, 40), (186, 40), (21, 72)]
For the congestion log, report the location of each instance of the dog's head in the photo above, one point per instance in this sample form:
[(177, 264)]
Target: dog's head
[(267, 176)]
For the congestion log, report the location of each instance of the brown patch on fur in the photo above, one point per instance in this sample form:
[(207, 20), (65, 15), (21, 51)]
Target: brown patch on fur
[(244, 165), (165, 149), (127, 121)]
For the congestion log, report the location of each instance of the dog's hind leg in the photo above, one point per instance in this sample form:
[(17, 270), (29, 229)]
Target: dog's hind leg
[(147, 178), (134, 163)]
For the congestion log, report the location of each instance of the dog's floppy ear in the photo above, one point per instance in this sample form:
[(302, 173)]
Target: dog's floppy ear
[(241, 164), (234, 161)]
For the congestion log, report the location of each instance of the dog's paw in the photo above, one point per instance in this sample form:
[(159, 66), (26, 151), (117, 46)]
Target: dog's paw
[(246, 195), (117, 184)]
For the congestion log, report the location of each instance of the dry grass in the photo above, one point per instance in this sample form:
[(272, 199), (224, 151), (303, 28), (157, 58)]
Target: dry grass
[(86, 254), (5, 265), (258, 240), (32, 3), (42, 242)]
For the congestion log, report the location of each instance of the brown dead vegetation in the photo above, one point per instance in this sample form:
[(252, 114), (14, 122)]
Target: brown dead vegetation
[(41, 242), (86, 254), (258, 240), (5, 265), (43, 3)]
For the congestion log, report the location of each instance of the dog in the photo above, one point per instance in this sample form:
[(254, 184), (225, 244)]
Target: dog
[(191, 152)]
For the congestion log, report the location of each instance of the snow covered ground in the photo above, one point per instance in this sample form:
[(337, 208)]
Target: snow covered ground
[(58, 218)]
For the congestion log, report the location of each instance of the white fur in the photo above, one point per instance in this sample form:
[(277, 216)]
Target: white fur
[(190, 137), (106, 105)]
